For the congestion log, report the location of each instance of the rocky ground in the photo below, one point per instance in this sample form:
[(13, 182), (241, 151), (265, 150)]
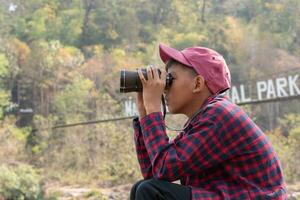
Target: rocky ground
[(75, 193), (120, 192)]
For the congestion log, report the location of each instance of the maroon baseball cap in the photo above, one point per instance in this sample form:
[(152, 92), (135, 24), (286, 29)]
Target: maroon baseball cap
[(206, 62)]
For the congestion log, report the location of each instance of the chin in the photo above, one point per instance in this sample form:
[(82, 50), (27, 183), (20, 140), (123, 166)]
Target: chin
[(172, 110), (169, 109)]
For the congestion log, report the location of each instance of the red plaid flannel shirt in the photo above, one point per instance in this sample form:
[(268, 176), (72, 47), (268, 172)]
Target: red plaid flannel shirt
[(221, 154)]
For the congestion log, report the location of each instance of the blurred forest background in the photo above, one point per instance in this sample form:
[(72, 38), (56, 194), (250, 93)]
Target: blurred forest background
[(60, 63)]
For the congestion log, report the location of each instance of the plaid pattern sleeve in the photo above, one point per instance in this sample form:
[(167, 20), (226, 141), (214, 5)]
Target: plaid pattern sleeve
[(142, 154), (221, 154)]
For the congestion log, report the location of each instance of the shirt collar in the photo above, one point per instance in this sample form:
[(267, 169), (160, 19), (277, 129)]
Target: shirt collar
[(193, 120)]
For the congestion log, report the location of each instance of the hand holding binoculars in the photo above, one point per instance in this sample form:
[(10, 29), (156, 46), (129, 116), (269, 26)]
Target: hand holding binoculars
[(130, 80)]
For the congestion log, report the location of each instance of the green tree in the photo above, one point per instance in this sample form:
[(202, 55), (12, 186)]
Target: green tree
[(71, 104), (20, 183), (4, 94)]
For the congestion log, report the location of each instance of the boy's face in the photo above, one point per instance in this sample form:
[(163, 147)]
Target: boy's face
[(180, 93)]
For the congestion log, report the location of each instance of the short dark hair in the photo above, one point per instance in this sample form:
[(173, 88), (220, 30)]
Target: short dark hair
[(172, 62)]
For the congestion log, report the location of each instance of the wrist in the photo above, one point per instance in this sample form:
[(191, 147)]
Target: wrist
[(142, 115), (152, 109)]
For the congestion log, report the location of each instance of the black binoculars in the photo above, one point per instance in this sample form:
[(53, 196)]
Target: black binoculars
[(130, 81)]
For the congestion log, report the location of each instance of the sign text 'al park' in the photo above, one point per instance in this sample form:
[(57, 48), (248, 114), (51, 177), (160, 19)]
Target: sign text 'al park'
[(278, 88)]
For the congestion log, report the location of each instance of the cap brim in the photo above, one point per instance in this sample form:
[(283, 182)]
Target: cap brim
[(167, 53)]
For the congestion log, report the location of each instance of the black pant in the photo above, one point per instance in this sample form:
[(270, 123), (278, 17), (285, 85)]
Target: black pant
[(153, 189)]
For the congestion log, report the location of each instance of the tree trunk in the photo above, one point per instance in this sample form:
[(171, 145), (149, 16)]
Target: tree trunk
[(203, 11), (88, 6)]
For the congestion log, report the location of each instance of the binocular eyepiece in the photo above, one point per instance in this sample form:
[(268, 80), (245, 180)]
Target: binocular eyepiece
[(131, 82)]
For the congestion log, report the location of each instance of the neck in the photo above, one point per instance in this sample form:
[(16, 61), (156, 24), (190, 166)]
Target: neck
[(195, 105)]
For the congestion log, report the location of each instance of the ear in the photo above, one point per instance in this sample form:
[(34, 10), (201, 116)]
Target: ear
[(199, 83)]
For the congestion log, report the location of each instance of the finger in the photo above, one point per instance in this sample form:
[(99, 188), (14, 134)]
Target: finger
[(149, 73), (163, 75), (155, 73), (141, 76)]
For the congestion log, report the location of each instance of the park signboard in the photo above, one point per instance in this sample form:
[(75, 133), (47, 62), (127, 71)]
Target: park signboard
[(271, 89)]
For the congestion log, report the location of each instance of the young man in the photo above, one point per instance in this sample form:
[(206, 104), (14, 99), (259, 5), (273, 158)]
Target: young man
[(219, 154)]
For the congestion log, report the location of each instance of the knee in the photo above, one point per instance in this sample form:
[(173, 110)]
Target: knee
[(134, 189), (145, 187)]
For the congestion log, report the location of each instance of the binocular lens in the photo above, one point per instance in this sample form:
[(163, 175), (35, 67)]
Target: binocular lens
[(130, 81)]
